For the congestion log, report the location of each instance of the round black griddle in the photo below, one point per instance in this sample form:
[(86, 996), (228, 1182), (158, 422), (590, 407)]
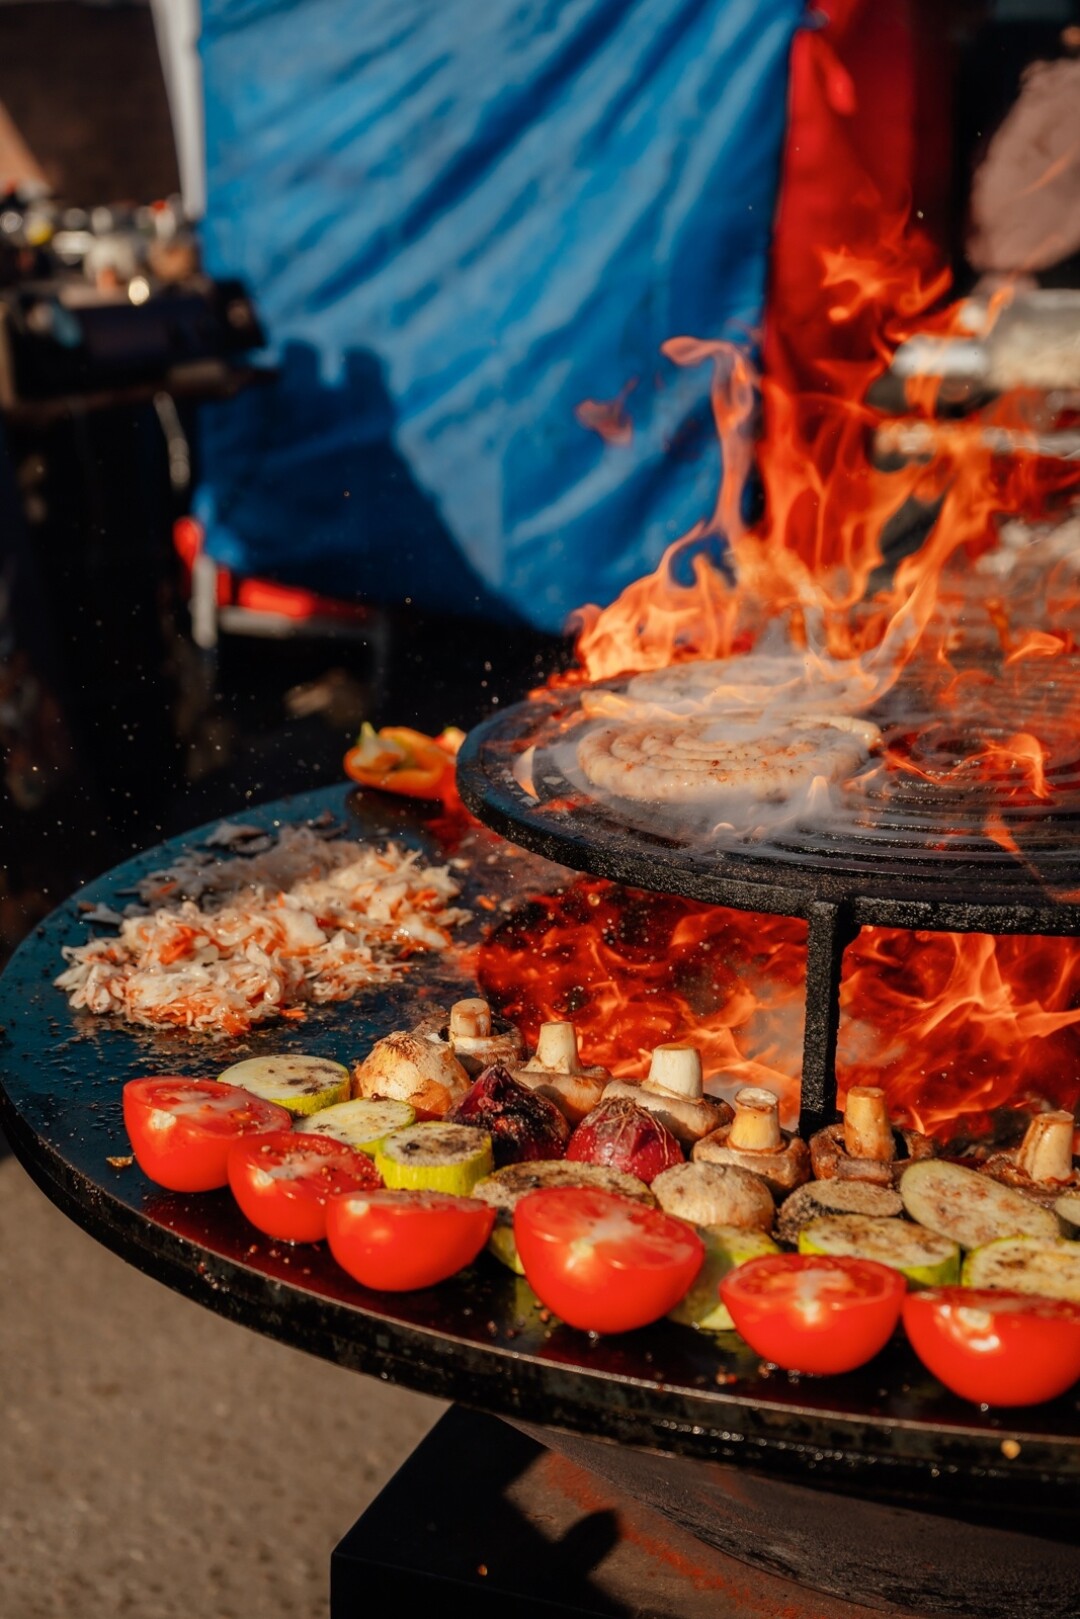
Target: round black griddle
[(886, 1432), (899, 851)]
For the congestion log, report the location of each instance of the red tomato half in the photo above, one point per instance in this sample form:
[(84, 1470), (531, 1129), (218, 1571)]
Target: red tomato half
[(181, 1129), (603, 1262), (283, 1182), (812, 1312), (397, 1241), (995, 1347)]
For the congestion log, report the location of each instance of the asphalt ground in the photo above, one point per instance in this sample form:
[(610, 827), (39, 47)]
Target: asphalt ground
[(159, 1461)]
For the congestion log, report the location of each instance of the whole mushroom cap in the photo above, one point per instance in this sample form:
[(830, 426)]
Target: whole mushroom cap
[(410, 1068), (555, 1071), (831, 1160), (673, 1091), (754, 1141)]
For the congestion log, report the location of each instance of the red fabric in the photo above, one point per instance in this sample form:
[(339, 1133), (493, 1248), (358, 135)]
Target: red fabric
[(867, 135)]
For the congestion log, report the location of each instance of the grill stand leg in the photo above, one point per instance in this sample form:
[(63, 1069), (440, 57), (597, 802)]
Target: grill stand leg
[(832, 928), (541, 1525)]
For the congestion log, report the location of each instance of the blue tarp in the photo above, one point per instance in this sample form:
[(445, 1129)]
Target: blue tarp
[(459, 220)]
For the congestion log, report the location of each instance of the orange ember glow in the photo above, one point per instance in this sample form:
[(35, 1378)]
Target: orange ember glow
[(953, 1026), (634, 970)]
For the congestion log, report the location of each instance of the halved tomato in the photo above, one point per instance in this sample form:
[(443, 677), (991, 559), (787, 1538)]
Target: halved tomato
[(181, 1129), (396, 1241), (994, 1346), (603, 1262), (814, 1312), (284, 1182)]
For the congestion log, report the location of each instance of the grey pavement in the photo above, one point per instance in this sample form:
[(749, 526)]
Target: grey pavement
[(159, 1461)]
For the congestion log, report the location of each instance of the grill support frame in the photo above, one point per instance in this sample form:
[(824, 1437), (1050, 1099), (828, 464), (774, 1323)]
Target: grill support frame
[(831, 929)]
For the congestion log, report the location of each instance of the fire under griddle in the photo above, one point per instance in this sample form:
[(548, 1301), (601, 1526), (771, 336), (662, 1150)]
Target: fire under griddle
[(907, 854)]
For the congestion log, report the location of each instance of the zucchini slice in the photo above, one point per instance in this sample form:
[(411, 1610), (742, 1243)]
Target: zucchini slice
[(725, 1247), (926, 1259), (302, 1084), (363, 1123), (970, 1208), (1027, 1265), (435, 1157)]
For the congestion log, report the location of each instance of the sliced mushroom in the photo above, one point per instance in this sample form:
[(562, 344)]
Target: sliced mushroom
[(715, 1195), (411, 1069), (556, 1071), (675, 1092), (864, 1146), (475, 1035), (815, 1198), (1042, 1165), (754, 1141)]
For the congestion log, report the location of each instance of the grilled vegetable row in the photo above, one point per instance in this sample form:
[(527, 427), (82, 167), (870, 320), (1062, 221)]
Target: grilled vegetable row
[(445, 1137)]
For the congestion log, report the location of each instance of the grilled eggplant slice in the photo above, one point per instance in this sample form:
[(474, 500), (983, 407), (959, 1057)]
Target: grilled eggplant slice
[(969, 1208), (816, 1198), (1067, 1209)]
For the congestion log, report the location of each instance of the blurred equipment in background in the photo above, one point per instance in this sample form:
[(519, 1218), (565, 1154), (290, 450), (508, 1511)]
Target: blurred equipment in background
[(109, 331), (107, 305)]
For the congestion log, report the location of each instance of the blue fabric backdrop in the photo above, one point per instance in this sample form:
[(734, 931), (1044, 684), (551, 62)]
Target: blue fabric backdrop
[(461, 218)]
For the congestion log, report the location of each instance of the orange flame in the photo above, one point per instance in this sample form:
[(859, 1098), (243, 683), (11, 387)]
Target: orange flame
[(635, 970), (608, 417), (953, 1026), (956, 1026)]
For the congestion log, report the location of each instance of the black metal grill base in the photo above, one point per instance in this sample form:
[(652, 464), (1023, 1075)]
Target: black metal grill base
[(488, 1519)]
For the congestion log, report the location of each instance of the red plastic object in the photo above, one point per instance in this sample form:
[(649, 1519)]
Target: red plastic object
[(260, 595)]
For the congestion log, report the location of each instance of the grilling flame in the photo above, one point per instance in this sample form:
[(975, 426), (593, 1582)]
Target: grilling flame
[(954, 1027), (634, 970)]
